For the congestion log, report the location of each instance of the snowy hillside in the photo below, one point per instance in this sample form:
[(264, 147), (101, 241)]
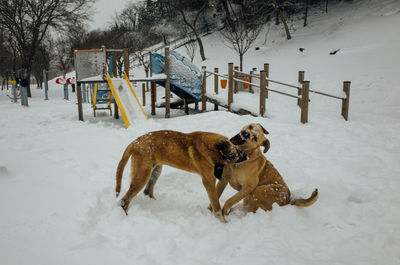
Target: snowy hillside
[(57, 175)]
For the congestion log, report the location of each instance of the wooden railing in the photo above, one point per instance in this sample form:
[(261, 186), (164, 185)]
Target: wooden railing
[(235, 78)]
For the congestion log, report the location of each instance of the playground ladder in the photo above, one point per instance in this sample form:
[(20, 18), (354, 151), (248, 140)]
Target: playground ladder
[(97, 100)]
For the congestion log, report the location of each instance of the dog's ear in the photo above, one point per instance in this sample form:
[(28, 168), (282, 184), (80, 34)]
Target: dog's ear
[(266, 145), (265, 131)]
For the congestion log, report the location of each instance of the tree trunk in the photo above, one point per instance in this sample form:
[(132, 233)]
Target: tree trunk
[(28, 77), (306, 12), (228, 15), (241, 62), (326, 6), (26, 66), (201, 48), (278, 10), (193, 27)]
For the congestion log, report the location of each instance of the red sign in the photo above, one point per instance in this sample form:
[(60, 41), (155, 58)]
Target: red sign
[(71, 80), (60, 81)]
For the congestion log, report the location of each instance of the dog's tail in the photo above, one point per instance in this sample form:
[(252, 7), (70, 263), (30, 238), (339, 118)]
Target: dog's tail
[(305, 202), (121, 166)]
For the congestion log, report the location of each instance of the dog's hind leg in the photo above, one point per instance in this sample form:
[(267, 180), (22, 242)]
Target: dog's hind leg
[(140, 174), (264, 196), (149, 190)]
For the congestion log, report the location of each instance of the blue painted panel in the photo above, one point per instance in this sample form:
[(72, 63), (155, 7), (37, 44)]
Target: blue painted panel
[(185, 77)]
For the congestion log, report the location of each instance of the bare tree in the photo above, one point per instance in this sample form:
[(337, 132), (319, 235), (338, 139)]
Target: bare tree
[(228, 16), (282, 17), (28, 22), (242, 39), (191, 47), (41, 61), (191, 19), (189, 43), (6, 60), (243, 31)]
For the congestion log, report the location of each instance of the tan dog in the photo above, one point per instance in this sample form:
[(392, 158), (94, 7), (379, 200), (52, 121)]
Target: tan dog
[(196, 152), (256, 179)]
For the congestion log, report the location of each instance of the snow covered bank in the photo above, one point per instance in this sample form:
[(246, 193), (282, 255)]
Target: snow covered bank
[(57, 203)]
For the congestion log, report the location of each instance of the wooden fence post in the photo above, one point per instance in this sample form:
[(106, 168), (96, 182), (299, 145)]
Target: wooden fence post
[(167, 84), (153, 98), (144, 93), (103, 48), (203, 89), (216, 81), (301, 79), (230, 86), (346, 101), (304, 101), (148, 73), (126, 62), (236, 84), (262, 92), (116, 113), (251, 80), (266, 69), (185, 103), (216, 86), (150, 65), (147, 82)]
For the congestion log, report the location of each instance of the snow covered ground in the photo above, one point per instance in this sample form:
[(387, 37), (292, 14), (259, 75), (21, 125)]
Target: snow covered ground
[(57, 203)]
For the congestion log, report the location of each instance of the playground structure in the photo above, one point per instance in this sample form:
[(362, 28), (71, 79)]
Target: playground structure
[(172, 71), (91, 68), (60, 81), (19, 90), (178, 75)]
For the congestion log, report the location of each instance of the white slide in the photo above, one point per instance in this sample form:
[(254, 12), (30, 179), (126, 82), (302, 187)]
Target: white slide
[(127, 101)]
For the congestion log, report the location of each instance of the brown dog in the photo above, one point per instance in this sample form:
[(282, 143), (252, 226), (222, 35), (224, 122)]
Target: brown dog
[(196, 152), (256, 179)]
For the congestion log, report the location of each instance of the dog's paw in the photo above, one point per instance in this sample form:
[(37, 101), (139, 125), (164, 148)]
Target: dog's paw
[(149, 193), (220, 216), (226, 211), (124, 206)]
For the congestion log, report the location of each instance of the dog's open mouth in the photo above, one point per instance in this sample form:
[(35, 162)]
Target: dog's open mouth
[(240, 138)]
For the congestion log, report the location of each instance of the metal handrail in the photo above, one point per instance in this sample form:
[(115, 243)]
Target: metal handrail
[(220, 75), (268, 89)]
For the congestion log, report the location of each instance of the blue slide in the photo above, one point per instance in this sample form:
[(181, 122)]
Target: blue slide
[(185, 77)]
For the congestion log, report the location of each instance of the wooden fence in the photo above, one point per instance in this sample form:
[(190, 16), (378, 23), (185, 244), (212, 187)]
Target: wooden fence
[(235, 79)]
